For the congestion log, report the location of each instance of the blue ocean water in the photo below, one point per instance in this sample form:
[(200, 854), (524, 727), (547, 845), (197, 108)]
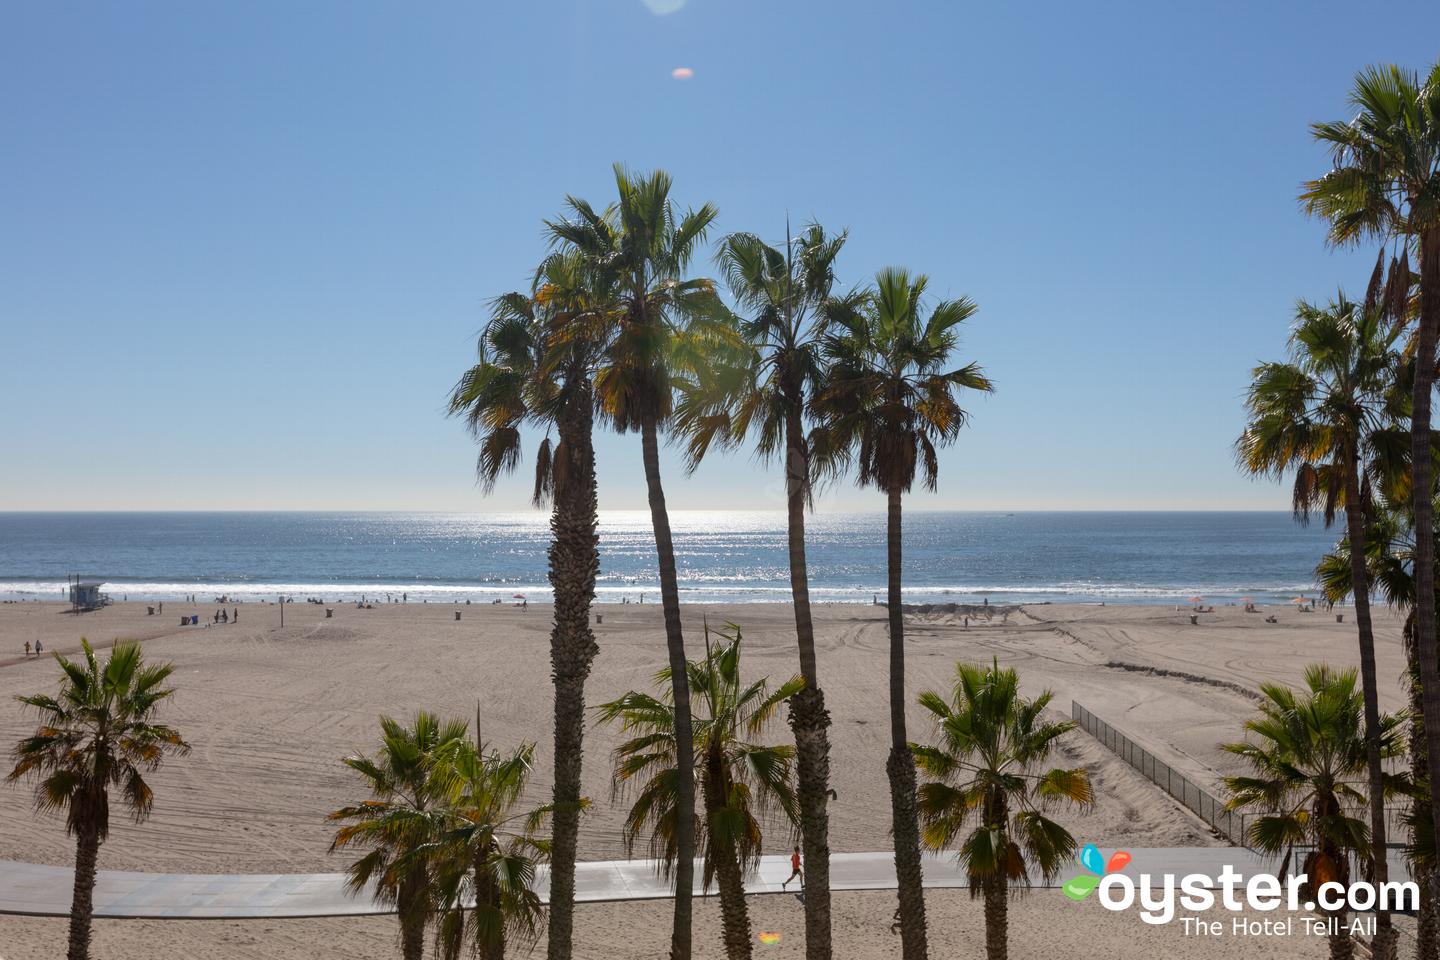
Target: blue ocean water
[(722, 556)]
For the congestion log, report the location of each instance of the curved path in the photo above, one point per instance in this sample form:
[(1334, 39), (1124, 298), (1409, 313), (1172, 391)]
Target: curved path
[(39, 890)]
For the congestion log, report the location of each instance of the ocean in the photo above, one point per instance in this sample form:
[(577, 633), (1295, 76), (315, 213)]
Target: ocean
[(723, 556)]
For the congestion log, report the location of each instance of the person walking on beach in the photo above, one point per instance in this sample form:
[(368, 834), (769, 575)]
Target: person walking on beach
[(27, 649), (39, 648), (795, 870), (234, 614)]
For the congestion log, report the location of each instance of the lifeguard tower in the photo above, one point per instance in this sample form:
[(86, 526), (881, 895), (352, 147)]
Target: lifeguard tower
[(86, 595)]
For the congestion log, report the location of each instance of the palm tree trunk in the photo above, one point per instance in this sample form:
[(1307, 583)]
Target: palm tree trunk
[(1423, 513), (1383, 946), (490, 946), (809, 720), (574, 564), (900, 768), (734, 912), (997, 886), (1427, 932), (410, 910), (680, 687), (1341, 946), (997, 919), (82, 903)]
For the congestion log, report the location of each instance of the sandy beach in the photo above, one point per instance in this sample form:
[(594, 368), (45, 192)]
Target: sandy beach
[(1043, 926), (270, 711)]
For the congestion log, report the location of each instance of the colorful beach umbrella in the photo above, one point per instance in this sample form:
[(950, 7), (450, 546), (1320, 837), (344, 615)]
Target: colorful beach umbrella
[(517, 596)]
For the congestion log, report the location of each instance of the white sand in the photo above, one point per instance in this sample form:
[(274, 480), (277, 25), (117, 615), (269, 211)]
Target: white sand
[(271, 711), (1043, 926)]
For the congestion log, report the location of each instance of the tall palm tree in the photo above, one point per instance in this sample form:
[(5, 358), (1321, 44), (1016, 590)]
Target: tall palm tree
[(483, 856), (888, 402), (536, 367), (990, 790), (394, 824), (1308, 761), (1318, 415), (742, 780), (96, 734), (1385, 184), (762, 391), (1389, 554), (642, 245)]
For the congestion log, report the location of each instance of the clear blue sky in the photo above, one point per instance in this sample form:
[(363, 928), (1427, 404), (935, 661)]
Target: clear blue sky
[(245, 248)]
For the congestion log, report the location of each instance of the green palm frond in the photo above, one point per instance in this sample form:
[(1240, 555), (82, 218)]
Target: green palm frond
[(1307, 757), (98, 733), (987, 778), (752, 780), (886, 402)]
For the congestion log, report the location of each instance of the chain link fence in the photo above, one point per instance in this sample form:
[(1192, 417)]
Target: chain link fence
[(1235, 826)]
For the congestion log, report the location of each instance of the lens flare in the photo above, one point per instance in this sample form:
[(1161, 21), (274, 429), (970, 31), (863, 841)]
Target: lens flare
[(682, 73)]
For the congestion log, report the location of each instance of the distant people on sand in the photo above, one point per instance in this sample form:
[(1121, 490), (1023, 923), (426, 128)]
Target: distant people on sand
[(39, 648), (27, 648)]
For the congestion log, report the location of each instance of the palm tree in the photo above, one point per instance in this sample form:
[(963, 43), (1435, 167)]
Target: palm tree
[(1309, 760), (395, 823), (536, 367), (483, 857), (742, 781), (763, 392), (1385, 184), (990, 791), (887, 403), (97, 733), (1320, 415), (1389, 554), (642, 246)]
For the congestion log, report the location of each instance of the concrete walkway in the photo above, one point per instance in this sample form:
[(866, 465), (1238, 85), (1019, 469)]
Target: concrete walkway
[(38, 890)]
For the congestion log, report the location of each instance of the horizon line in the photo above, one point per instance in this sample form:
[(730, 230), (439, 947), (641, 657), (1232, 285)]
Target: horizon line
[(779, 511)]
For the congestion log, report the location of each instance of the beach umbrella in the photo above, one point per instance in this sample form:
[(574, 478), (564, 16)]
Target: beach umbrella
[(517, 596), (1196, 599), (1299, 600)]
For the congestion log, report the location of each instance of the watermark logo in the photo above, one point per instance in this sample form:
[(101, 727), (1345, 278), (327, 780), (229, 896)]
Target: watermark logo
[(1097, 867), (1295, 898)]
